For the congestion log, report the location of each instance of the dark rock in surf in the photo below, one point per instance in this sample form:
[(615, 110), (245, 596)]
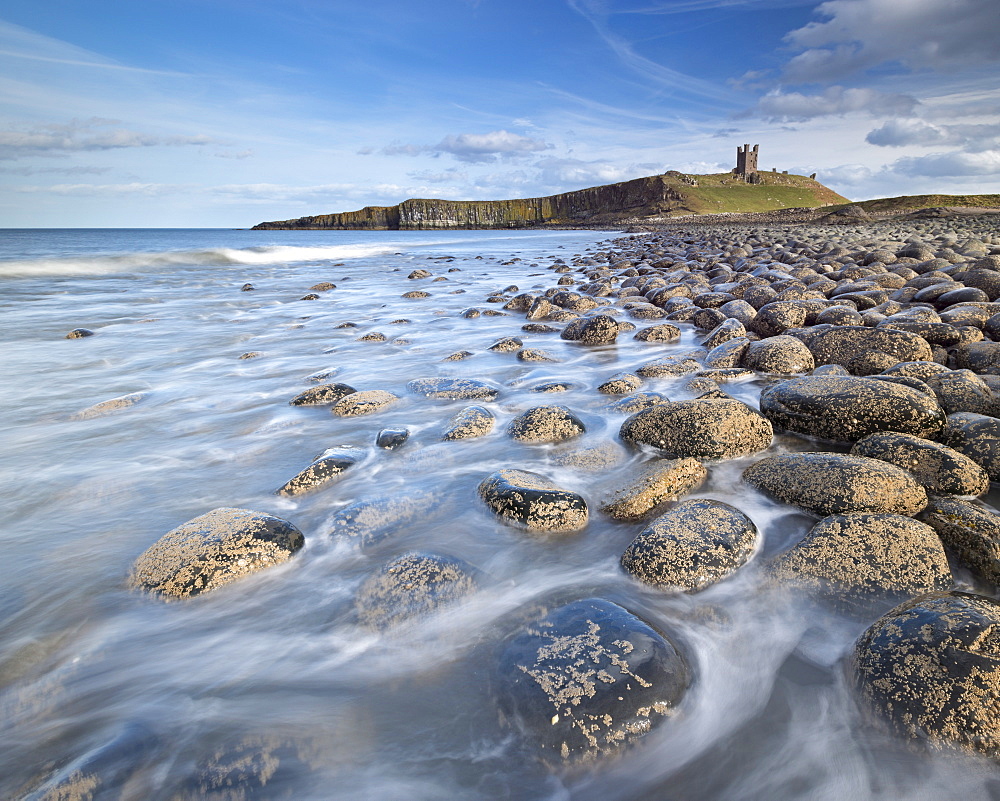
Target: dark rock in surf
[(453, 389), (530, 500), (330, 467), (323, 395)]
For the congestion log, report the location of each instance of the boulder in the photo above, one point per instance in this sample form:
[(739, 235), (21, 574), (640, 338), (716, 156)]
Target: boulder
[(358, 404), (323, 395), (694, 545), (471, 422), (930, 670), (601, 329), (657, 481), (213, 550), (328, 468), (976, 436), (453, 389), (783, 354), (370, 521), (701, 429), (971, 532), (411, 586), (833, 483), (665, 332), (846, 409), (530, 500), (586, 679), (620, 384), (862, 557), (843, 344), (980, 357), (391, 438), (545, 424), (940, 469)]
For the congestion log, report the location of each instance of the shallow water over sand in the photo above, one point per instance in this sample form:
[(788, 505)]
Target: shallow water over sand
[(275, 670)]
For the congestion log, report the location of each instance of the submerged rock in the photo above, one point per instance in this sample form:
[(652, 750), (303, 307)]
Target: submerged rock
[(368, 522), (930, 670), (531, 500), (656, 482), (714, 428), (833, 483), (358, 404), (213, 550), (694, 545), (586, 679), (453, 389), (111, 406), (324, 395), (410, 586), (391, 438), (330, 467), (471, 422)]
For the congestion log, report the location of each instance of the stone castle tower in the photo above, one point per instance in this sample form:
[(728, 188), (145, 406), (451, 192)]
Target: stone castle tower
[(746, 163)]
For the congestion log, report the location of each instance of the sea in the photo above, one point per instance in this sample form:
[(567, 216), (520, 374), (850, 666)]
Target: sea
[(271, 687)]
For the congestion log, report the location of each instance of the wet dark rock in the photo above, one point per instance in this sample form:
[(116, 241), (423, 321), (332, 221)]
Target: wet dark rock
[(415, 294), (980, 357), (471, 422), (728, 354), (458, 356), (727, 330), (930, 670), (372, 520), (601, 329), (934, 333), (862, 557), (540, 309), (842, 345), (323, 395), (665, 332), (310, 296), (391, 438), (251, 354), (358, 404), (964, 391), (531, 500), (940, 469), (453, 389), (655, 482), (833, 483), (411, 586), (247, 288), (328, 468), (420, 273), (545, 424), (374, 336), (978, 437), (620, 384), (79, 333), (538, 328), (323, 286), (694, 545), (783, 355), (701, 429), (672, 366), (845, 409), (535, 355), (213, 550), (971, 532), (922, 370), (636, 402), (775, 318), (587, 679)]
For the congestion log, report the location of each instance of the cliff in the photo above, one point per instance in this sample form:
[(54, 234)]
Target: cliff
[(669, 194)]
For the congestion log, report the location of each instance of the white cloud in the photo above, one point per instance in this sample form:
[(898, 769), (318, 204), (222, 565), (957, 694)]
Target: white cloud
[(971, 137), (83, 136), (950, 165), (488, 147), (834, 100)]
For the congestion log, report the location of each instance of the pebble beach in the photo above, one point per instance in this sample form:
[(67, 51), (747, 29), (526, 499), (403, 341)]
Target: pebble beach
[(707, 511)]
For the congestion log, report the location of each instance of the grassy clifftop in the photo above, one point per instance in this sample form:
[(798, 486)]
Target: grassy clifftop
[(670, 194)]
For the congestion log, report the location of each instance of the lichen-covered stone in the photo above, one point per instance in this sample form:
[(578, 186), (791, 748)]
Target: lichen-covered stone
[(358, 404), (671, 366), (330, 467), (694, 545), (636, 402), (507, 345), (620, 384), (865, 557), (964, 391), (411, 586), (833, 483), (941, 470), (657, 481), (980, 357), (535, 355), (664, 332), (369, 521), (79, 333), (545, 424), (849, 408), (213, 550), (702, 429), (729, 354), (842, 345), (453, 389), (586, 679), (111, 406), (596, 459), (471, 422), (783, 354), (530, 500), (930, 670), (978, 437), (323, 395), (971, 532), (601, 329)]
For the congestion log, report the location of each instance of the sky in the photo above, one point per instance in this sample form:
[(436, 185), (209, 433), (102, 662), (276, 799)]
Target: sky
[(217, 113)]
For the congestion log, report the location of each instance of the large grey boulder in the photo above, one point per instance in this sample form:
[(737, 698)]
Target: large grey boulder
[(586, 679), (601, 329), (213, 550)]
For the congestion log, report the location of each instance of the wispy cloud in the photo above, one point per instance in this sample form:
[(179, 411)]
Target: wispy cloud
[(82, 136), (834, 100), (471, 148)]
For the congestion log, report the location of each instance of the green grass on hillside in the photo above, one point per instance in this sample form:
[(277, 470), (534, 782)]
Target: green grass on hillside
[(723, 193), (914, 202)]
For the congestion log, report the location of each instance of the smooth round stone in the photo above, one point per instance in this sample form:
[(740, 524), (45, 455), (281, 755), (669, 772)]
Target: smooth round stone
[(545, 424), (471, 422), (832, 483), (535, 355), (694, 545), (79, 333), (940, 469), (978, 437), (530, 500), (783, 355), (657, 481), (842, 344), (601, 329), (453, 389), (323, 395), (921, 370), (213, 550), (372, 520), (506, 345), (964, 391), (862, 557), (701, 429), (670, 366), (411, 586), (980, 357), (620, 384), (391, 438), (330, 467), (777, 317), (665, 332), (729, 354), (586, 679), (727, 330), (971, 532), (358, 404), (637, 402), (930, 670), (846, 409)]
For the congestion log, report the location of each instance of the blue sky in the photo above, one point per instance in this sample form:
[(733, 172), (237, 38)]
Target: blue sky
[(224, 113)]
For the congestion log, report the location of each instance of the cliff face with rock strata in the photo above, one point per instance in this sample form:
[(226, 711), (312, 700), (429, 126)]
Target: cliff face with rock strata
[(668, 194)]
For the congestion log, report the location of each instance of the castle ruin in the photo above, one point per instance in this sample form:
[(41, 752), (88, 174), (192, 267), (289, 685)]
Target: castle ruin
[(746, 164)]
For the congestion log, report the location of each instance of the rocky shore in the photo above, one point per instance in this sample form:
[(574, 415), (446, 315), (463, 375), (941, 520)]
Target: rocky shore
[(877, 345)]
